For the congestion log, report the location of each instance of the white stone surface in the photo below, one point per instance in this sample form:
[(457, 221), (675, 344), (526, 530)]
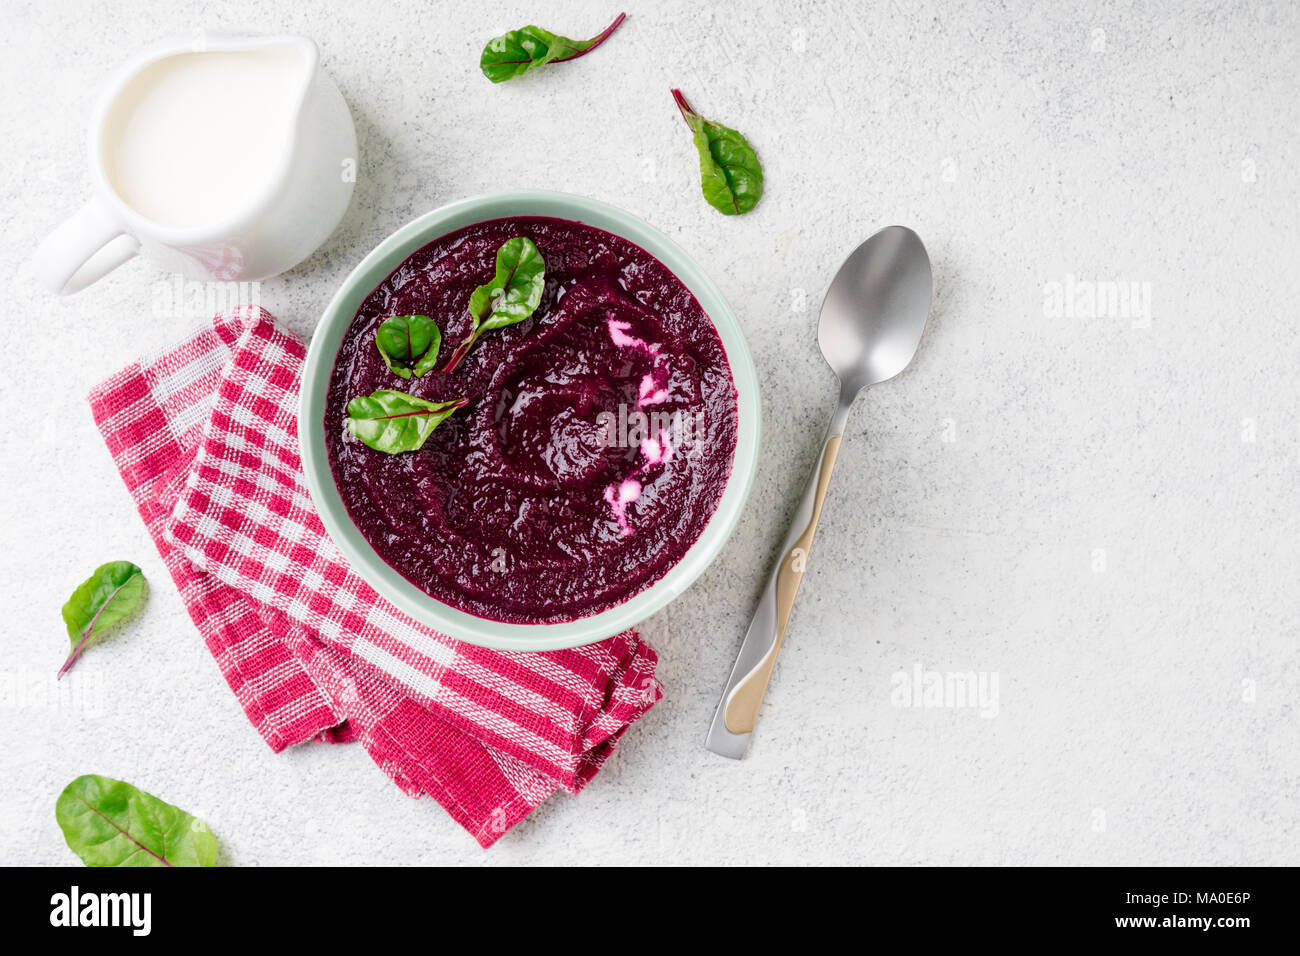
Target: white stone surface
[(1100, 511)]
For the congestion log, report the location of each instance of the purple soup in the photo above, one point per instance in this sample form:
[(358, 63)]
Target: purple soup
[(595, 447)]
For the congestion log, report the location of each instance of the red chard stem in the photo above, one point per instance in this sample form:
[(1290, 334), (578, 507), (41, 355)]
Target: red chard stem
[(72, 658), (685, 108), (597, 40), (461, 351)]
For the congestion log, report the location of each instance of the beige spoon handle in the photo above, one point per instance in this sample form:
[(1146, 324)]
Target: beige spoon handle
[(745, 699)]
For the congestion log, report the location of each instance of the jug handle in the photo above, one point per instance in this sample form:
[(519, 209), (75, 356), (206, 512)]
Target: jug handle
[(83, 249)]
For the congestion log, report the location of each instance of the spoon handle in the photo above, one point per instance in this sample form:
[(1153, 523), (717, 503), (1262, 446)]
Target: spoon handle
[(737, 712)]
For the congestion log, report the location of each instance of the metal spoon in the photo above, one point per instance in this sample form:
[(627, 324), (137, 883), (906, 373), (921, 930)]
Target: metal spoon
[(871, 323)]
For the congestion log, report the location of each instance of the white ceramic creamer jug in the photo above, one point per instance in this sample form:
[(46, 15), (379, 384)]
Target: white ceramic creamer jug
[(225, 158)]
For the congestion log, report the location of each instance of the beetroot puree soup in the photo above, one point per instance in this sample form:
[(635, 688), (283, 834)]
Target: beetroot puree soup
[(596, 445)]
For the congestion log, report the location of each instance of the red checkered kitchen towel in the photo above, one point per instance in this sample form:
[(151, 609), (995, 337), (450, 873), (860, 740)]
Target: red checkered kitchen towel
[(205, 436)]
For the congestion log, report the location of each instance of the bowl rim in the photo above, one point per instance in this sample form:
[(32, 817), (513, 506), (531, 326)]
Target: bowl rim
[(376, 266)]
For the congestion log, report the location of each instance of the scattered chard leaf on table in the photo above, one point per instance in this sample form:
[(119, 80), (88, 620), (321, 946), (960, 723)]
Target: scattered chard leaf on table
[(409, 344), (104, 600), (515, 53), (731, 176), (512, 296), (110, 823), (394, 422)]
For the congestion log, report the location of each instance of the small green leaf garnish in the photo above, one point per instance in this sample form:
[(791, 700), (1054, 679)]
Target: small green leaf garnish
[(515, 53), (394, 422), (110, 823), (731, 176), (409, 344), (512, 296), (104, 600)]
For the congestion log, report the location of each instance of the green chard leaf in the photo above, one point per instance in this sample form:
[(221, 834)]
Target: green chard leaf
[(104, 600), (409, 344), (731, 176), (512, 296), (110, 823), (394, 422), (515, 53)]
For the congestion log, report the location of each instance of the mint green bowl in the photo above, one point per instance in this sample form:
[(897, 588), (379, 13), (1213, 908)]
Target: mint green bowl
[(376, 267)]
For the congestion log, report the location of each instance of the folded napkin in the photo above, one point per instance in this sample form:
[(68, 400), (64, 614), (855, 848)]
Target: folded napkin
[(205, 436)]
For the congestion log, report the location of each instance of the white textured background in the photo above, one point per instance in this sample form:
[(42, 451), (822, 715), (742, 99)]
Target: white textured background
[(1099, 510)]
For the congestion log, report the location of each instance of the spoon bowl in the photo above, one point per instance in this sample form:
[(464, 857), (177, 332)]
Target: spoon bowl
[(876, 308)]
